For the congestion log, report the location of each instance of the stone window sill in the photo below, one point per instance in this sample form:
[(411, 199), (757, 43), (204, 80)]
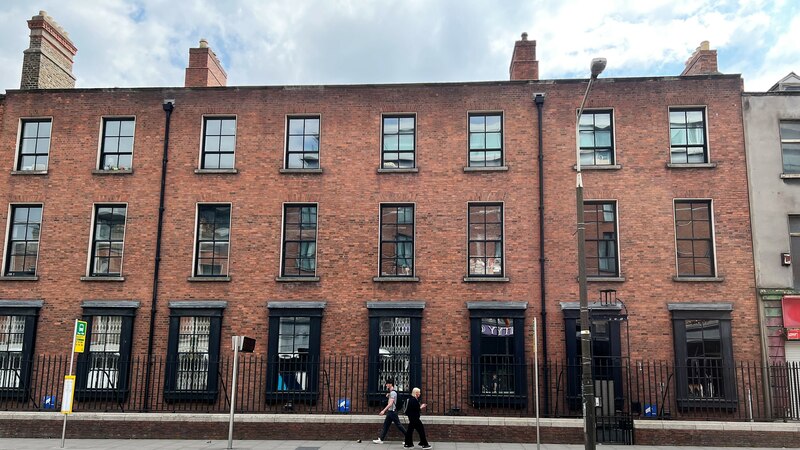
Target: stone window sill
[(102, 278), (692, 166), (619, 279), (20, 278), (411, 170), (469, 279), (209, 279), (28, 172), (215, 171), (600, 167), (486, 169), (112, 172), (395, 279), (698, 279), (301, 171), (297, 279)]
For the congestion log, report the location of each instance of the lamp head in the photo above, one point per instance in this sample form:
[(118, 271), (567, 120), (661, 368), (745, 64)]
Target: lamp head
[(597, 66)]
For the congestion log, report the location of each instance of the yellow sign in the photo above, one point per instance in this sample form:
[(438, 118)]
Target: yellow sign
[(69, 393), (80, 336)]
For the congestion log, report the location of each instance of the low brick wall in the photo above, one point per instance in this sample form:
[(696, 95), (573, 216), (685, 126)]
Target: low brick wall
[(347, 427)]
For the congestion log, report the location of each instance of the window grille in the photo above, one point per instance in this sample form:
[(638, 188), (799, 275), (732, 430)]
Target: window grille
[(12, 335), (104, 349), (193, 353), (395, 352)]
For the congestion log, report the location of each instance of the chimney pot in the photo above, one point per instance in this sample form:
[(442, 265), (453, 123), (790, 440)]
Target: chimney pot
[(203, 43), (524, 36)]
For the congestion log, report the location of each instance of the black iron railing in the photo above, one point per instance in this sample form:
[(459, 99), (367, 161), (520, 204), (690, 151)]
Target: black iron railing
[(636, 389)]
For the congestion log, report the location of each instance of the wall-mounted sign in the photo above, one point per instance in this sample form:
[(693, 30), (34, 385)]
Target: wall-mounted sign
[(492, 330), (793, 334), (80, 336), (791, 311)]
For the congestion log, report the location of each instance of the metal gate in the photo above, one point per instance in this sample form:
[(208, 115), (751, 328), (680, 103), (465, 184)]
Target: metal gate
[(613, 426), (614, 421)]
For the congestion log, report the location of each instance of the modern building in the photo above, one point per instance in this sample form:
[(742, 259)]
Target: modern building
[(407, 231), (772, 130)]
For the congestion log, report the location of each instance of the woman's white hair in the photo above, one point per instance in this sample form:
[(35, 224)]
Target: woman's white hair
[(415, 391)]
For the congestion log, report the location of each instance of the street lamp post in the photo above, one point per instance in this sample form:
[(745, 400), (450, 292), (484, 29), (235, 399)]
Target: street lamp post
[(589, 422)]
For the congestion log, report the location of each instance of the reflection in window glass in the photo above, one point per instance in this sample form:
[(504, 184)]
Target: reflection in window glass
[(687, 136), (597, 143), (116, 149), (704, 362), (108, 240), (293, 362), (693, 231), (219, 142), (302, 145), (299, 241), (790, 146), (213, 240), (485, 140), (485, 240), (397, 240), (398, 143), (601, 239), (34, 145), (23, 240)]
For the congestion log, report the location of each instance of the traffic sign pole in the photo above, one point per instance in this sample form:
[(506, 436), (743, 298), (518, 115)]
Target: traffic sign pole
[(78, 344)]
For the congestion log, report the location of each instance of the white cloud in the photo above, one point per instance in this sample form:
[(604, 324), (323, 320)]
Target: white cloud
[(146, 42)]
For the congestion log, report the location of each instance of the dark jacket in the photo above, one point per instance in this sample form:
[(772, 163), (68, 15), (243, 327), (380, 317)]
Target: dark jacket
[(413, 409)]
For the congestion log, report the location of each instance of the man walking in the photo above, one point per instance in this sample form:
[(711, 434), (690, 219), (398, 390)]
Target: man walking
[(391, 413), (413, 412)]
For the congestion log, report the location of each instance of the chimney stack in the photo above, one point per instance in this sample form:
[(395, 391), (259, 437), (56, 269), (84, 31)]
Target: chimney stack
[(204, 68), (702, 62), (524, 65), (47, 64)]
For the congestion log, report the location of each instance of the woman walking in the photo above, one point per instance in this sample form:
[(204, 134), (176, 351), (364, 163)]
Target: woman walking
[(413, 411)]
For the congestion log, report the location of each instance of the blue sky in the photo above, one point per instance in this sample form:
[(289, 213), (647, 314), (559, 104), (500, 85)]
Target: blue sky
[(145, 42)]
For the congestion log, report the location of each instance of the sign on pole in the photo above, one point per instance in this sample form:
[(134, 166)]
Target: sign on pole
[(69, 393), (80, 336)]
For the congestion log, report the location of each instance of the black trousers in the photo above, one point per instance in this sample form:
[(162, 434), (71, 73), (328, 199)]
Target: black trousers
[(415, 424), (391, 417)]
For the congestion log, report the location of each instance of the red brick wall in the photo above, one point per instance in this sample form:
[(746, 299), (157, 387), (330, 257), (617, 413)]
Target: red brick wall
[(644, 189), (110, 429), (349, 192)]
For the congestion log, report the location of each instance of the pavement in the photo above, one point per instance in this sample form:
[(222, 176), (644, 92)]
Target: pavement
[(153, 444)]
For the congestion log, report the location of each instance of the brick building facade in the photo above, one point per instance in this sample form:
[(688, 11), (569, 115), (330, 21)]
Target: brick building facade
[(391, 223)]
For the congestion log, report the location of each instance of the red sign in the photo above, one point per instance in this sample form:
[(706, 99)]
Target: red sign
[(793, 334), (791, 311)]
